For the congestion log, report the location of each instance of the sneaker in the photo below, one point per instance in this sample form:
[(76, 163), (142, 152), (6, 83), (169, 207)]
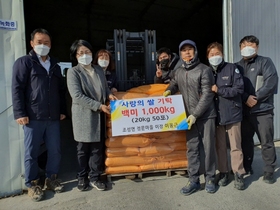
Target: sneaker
[(223, 179), (35, 192), (210, 186), (54, 184), (249, 171), (190, 188), (268, 177), (98, 185), (239, 181), (82, 184)]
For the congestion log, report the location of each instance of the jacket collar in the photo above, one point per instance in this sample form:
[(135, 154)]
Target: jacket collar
[(34, 55), (35, 58), (251, 60), (221, 66), (193, 63), (88, 81)]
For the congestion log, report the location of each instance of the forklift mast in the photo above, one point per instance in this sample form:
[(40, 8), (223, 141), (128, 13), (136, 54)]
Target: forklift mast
[(135, 57)]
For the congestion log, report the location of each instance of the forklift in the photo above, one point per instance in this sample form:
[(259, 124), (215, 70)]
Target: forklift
[(134, 55)]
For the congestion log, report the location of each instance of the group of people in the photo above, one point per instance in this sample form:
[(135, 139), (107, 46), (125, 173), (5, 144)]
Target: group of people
[(224, 101), (38, 93), (221, 100)]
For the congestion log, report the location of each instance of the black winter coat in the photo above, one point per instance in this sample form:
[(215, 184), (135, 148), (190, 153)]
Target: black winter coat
[(250, 69), (228, 101)]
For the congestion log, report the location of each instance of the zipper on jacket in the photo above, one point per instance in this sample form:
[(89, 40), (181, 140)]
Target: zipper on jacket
[(49, 83), (50, 74), (187, 84)]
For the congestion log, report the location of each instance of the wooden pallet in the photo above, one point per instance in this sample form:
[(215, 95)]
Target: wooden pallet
[(139, 175)]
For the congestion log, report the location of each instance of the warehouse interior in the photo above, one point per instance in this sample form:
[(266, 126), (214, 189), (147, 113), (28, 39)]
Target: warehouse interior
[(95, 21)]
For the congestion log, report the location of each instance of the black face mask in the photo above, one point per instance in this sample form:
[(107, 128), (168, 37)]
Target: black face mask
[(164, 64)]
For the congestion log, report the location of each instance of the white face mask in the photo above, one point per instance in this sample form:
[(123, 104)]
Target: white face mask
[(103, 63), (215, 60), (248, 51), (41, 49), (85, 59)]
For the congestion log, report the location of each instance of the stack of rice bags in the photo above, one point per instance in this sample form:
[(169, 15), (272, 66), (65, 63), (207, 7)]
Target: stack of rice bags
[(147, 151)]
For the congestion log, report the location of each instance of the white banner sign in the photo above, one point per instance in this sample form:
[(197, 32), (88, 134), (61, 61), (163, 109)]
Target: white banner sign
[(146, 115)]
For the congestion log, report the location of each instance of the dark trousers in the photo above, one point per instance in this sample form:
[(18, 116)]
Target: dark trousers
[(202, 132), (262, 125), (90, 159), (34, 134)]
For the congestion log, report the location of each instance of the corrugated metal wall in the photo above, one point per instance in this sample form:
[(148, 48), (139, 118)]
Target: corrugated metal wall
[(260, 18)]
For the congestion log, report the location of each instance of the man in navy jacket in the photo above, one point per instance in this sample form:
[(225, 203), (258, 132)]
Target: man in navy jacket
[(39, 105)]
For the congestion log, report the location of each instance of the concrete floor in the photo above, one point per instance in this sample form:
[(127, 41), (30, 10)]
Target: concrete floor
[(153, 191)]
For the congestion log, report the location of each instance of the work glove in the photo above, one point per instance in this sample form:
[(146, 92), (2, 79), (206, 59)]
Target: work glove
[(190, 120), (166, 93)]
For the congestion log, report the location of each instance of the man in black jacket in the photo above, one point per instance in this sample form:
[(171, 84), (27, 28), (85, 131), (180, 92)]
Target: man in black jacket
[(194, 81), (166, 62), (39, 105), (260, 85)]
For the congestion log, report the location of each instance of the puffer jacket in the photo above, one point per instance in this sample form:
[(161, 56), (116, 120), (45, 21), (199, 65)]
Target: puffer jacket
[(250, 69), (36, 93), (228, 100), (194, 81)]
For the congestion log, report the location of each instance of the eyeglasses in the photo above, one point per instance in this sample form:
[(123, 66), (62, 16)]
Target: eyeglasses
[(82, 53)]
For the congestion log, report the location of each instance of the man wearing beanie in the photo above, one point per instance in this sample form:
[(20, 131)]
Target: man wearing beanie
[(194, 81)]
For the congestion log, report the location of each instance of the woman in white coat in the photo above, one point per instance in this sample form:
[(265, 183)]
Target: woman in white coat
[(88, 88)]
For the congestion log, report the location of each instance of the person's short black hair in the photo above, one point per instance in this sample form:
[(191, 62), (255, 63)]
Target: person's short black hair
[(250, 38), (76, 44), (41, 31), (164, 50)]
